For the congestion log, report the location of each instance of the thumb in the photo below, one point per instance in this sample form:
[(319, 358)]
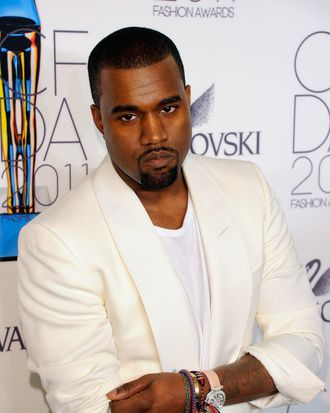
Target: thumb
[(128, 390)]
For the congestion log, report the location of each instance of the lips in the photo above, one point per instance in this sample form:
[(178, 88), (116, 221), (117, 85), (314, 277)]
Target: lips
[(158, 158)]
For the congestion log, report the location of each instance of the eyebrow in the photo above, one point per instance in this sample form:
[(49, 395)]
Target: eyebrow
[(134, 108), (171, 99), (124, 108)]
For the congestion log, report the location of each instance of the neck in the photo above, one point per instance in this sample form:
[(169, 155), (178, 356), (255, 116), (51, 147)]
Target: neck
[(166, 207)]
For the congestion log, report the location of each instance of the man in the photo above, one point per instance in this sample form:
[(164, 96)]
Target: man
[(162, 260)]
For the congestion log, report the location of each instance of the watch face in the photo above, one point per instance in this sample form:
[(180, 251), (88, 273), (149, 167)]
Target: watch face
[(216, 398)]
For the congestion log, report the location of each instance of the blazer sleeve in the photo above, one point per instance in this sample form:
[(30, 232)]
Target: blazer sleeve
[(65, 325), (287, 315)]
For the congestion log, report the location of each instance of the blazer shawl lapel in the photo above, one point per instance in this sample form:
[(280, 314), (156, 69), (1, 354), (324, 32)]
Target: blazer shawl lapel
[(142, 253), (227, 263)]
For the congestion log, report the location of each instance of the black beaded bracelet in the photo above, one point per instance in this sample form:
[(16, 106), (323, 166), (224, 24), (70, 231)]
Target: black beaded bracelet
[(187, 393)]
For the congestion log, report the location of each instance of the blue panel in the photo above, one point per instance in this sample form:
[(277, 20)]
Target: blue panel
[(20, 8), (10, 226)]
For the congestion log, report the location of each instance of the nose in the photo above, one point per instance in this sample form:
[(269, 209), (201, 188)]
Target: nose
[(153, 130)]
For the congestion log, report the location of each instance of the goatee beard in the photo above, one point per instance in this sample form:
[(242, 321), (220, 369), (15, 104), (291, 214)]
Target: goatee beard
[(159, 181)]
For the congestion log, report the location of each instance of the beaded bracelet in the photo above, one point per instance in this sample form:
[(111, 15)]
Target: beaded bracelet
[(193, 401), (187, 393), (201, 384)]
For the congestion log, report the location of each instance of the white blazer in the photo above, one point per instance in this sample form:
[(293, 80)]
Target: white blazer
[(101, 304)]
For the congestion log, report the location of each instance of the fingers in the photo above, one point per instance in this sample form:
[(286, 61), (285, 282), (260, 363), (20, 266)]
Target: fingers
[(140, 403), (130, 389), (154, 393)]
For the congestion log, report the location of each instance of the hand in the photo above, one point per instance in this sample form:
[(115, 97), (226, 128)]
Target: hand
[(152, 393)]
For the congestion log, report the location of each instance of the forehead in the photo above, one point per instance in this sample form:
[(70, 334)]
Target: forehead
[(141, 86)]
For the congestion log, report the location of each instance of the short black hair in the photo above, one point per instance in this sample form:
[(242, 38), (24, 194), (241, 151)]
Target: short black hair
[(130, 48)]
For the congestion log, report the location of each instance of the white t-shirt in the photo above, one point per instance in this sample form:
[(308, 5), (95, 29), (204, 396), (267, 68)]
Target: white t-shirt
[(185, 251)]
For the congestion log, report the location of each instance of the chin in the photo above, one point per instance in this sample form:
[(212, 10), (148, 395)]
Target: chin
[(161, 181)]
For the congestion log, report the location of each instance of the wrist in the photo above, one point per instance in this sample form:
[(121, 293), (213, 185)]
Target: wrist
[(203, 391), (216, 397)]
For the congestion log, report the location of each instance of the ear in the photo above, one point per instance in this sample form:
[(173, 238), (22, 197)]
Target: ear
[(188, 95), (97, 117)]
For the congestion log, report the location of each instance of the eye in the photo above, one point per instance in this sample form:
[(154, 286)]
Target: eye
[(129, 117), (168, 109)]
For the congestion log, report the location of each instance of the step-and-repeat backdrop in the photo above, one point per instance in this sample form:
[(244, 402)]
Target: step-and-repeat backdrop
[(260, 76)]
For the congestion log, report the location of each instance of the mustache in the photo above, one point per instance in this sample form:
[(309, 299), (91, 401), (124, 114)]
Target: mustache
[(158, 149)]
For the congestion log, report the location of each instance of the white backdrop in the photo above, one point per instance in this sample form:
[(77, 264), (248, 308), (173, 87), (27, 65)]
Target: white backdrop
[(260, 76)]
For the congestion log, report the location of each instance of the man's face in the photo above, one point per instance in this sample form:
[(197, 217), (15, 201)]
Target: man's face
[(144, 116)]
